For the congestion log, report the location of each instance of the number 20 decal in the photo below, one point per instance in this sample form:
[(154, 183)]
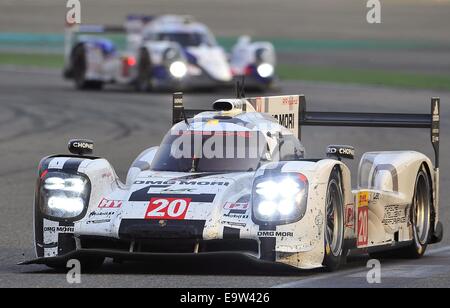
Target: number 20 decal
[(363, 219), (167, 208)]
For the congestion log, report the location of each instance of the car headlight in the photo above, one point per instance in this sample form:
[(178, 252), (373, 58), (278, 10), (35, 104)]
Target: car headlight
[(178, 69), (265, 70), (280, 199), (63, 195)]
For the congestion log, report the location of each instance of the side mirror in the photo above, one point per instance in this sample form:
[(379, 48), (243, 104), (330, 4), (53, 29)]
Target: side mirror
[(81, 146), (341, 151)]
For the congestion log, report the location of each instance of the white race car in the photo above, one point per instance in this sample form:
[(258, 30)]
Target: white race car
[(236, 181), (166, 52)]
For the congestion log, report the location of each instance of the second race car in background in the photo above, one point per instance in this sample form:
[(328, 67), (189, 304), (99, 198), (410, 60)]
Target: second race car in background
[(168, 52)]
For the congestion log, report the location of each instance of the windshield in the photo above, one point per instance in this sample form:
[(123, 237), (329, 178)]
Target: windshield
[(185, 39), (198, 151)]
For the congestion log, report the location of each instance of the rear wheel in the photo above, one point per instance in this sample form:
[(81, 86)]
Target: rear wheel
[(420, 220), (79, 65), (334, 226), (420, 217)]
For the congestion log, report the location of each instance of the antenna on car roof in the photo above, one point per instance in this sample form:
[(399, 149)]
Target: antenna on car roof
[(178, 108), (240, 87)]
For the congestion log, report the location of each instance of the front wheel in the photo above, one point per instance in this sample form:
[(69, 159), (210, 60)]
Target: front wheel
[(334, 226), (79, 71)]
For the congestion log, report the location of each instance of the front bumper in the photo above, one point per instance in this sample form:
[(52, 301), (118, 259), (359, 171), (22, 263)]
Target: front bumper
[(215, 261), (163, 80)]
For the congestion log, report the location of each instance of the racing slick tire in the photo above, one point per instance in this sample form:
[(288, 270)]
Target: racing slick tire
[(420, 220), (334, 224), (79, 66), (143, 80), (88, 265)]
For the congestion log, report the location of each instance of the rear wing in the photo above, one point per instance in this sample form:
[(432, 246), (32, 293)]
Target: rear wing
[(96, 29), (291, 112), (430, 121), (133, 22)]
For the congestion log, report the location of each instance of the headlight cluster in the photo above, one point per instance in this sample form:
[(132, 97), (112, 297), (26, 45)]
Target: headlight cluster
[(178, 69), (281, 199), (265, 70), (63, 195)]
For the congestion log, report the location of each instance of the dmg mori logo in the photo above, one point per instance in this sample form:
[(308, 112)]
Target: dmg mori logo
[(275, 234)]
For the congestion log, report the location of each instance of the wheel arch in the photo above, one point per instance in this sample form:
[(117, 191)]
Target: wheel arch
[(434, 209)]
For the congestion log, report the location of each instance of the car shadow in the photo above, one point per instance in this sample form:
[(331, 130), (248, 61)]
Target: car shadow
[(229, 266)]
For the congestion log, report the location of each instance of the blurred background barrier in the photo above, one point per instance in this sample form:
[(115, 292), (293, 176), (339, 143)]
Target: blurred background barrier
[(319, 40)]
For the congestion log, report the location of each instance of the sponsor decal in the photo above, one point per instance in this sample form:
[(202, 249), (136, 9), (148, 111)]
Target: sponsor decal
[(236, 206), (236, 214), (83, 145), (275, 234), (60, 229), (100, 221), (291, 100), (213, 122), (341, 151), (394, 215), (167, 208), (100, 217), (286, 120), (363, 199), (349, 216), (376, 197), (109, 204), (236, 210), (180, 182), (179, 190), (101, 214), (363, 219), (233, 223)]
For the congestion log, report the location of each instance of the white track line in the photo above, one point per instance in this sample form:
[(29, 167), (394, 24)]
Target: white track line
[(343, 273), (438, 250), (29, 70)]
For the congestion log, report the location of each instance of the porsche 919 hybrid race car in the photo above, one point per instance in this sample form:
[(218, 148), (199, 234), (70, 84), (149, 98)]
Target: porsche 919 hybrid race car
[(235, 180), (168, 52)]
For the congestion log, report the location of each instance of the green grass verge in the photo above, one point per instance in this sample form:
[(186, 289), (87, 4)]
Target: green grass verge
[(365, 76), (286, 72), (31, 60)]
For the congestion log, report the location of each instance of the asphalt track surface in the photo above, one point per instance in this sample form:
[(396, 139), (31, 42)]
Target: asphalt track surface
[(39, 113)]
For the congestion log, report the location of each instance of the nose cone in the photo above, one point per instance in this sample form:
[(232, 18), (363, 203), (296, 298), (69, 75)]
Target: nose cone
[(214, 62)]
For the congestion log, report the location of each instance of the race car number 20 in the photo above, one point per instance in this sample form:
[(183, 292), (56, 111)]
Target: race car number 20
[(167, 208)]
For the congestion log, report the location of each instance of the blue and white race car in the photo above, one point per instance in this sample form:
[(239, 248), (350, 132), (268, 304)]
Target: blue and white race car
[(169, 52)]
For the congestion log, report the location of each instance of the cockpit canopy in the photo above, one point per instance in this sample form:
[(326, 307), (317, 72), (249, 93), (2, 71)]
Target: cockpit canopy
[(223, 151), (184, 39)]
